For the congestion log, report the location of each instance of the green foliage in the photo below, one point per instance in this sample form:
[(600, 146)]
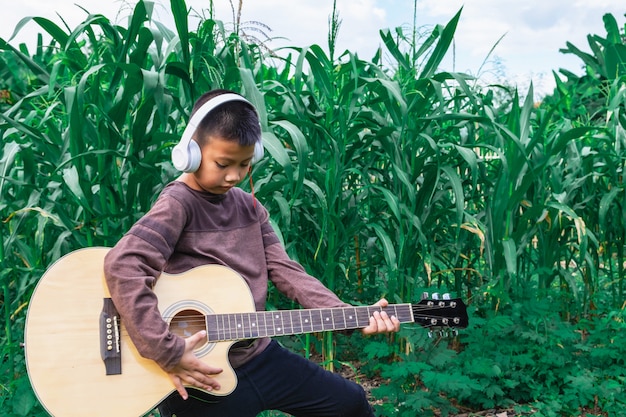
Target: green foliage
[(381, 180), (525, 355)]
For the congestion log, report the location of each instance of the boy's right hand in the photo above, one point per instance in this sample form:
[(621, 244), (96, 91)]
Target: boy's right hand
[(191, 370)]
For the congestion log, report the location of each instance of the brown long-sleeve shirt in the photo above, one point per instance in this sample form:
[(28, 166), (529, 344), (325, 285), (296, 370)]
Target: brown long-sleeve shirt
[(187, 228)]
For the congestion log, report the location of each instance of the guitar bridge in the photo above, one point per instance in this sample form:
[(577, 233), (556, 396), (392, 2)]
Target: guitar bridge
[(110, 338)]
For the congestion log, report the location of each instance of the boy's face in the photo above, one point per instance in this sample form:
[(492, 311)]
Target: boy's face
[(224, 164)]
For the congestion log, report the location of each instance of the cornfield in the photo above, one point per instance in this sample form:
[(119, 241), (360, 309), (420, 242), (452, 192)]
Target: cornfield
[(381, 179)]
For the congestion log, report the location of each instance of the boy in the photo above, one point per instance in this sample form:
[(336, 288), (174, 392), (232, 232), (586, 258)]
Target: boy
[(201, 218)]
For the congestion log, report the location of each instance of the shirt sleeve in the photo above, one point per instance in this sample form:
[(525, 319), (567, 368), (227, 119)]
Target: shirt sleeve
[(131, 270), (289, 276)]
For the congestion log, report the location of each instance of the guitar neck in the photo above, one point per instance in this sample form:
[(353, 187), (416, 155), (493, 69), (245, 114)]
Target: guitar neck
[(236, 326)]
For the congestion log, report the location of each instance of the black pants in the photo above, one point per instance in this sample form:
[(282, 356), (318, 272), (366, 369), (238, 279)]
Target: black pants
[(277, 379)]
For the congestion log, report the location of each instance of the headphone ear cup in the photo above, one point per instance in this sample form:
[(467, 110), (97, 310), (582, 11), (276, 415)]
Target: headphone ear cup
[(187, 158), (259, 151), (195, 156)]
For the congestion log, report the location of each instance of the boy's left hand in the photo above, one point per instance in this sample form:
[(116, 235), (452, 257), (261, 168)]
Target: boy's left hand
[(381, 322)]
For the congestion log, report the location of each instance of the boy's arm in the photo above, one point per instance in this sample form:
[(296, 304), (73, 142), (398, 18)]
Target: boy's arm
[(130, 273), (131, 269), (292, 280)]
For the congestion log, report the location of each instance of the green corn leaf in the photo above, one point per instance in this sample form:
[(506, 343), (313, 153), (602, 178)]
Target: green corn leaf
[(605, 204), (389, 250), (254, 95), (71, 179), (275, 148), (510, 255), (9, 152), (447, 34), (179, 11), (392, 201), (457, 189), (320, 70), (392, 47), (39, 71), (302, 152)]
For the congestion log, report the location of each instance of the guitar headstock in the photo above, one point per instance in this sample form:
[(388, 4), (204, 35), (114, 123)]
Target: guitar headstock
[(440, 313)]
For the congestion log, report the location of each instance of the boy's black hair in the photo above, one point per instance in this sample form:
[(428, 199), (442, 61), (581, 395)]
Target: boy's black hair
[(236, 121)]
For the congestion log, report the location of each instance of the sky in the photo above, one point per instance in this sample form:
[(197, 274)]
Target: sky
[(496, 40)]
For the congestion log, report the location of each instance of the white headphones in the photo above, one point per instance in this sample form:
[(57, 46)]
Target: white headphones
[(186, 155)]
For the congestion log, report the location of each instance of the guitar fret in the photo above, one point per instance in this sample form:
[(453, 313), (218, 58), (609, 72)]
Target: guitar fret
[(220, 330), (363, 316), (351, 321), (227, 328), (239, 330), (285, 318), (307, 326), (211, 328), (232, 326), (260, 324), (245, 326), (278, 327), (269, 323), (316, 320), (327, 323), (293, 329), (252, 325), (339, 321), (405, 313), (310, 322)]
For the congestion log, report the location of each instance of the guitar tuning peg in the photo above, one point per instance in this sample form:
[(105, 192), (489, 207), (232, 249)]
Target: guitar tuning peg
[(424, 295), (446, 296), (435, 296)]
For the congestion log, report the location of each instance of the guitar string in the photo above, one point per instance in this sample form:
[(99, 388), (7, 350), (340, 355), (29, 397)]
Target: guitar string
[(414, 308), (234, 337), (199, 319)]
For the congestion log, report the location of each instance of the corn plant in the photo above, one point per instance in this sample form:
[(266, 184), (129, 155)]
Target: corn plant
[(87, 123)]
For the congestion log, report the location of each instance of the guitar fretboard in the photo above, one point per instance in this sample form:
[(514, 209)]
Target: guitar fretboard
[(236, 326)]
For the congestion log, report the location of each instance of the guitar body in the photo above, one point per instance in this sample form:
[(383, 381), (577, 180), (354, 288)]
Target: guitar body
[(63, 337)]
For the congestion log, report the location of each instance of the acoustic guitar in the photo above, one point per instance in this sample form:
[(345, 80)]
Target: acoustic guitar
[(81, 361)]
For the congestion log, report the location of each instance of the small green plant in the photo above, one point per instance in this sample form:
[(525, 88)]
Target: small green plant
[(524, 356)]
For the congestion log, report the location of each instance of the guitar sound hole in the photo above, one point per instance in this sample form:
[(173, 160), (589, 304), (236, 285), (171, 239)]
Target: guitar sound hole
[(187, 323)]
